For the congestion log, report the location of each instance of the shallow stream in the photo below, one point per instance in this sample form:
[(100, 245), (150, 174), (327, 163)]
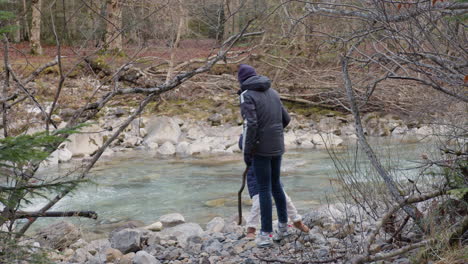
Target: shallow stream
[(137, 185)]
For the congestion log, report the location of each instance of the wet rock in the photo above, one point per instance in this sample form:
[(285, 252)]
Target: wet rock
[(143, 257), (162, 129), (215, 225), (198, 147), (59, 235), (167, 149), (126, 240), (183, 149), (326, 140), (170, 220)]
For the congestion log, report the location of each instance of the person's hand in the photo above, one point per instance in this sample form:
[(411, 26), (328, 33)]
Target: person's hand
[(248, 159)]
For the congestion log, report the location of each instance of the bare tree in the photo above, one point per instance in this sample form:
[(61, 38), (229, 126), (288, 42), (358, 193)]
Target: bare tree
[(114, 25), (35, 41)]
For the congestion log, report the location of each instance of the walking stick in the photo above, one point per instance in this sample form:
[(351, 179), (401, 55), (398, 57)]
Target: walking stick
[(239, 195)]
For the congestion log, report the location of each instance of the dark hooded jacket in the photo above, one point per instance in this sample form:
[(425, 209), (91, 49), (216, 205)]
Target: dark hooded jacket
[(264, 118)]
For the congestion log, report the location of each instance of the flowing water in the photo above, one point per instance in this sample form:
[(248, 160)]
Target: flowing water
[(137, 185)]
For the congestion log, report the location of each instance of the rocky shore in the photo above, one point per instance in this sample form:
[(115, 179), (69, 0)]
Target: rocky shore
[(181, 137), (336, 230)]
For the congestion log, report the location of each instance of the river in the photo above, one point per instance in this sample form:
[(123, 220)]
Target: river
[(137, 185)]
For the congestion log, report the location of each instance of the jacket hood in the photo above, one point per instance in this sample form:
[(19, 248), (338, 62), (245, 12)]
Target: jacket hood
[(256, 83)]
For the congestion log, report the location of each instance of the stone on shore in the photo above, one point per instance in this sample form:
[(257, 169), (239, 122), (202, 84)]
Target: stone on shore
[(170, 220), (143, 257), (167, 149), (158, 226), (126, 240), (59, 235), (162, 129)]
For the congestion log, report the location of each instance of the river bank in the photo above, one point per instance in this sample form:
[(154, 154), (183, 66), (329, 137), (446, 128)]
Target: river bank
[(335, 230)]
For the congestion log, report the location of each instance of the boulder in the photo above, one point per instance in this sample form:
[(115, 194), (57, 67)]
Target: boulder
[(326, 140), (290, 139), (59, 235), (195, 132), (143, 257), (304, 139), (183, 149), (167, 149), (199, 148), (170, 220), (329, 125), (215, 225), (162, 129), (126, 240), (400, 130), (182, 232), (86, 142)]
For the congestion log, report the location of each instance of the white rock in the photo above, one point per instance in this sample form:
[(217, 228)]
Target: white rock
[(64, 154), (199, 148), (158, 226), (424, 131), (170, 220), (215, 225), (326, 140), (182, 232), (304, 139), (143, 257), (400, 130), (167, 149), (290, 139), (183, 149), (162, 129), (151, 145), (86, 142)]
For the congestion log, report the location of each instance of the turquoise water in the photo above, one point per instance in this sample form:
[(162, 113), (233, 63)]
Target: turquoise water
[(138, 185)]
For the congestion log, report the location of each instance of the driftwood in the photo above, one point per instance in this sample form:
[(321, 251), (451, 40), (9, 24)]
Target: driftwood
[(87, 214)]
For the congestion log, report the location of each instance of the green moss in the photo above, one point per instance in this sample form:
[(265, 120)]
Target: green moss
[(309, 111), (52, 70)]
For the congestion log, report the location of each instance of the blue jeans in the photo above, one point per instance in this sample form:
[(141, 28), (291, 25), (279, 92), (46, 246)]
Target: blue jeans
[(267, 171)]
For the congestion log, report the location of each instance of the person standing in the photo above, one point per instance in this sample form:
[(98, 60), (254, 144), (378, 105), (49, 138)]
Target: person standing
[(263, 146)]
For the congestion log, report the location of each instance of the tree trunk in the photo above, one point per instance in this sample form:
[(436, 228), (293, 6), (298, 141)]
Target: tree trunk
[(35, 41), (114, 26), (175, 45), (25, 22)]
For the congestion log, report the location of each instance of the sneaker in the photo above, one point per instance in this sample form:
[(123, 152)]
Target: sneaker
[(264, 239), (250, 233), (281, 232), (299, 225)]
